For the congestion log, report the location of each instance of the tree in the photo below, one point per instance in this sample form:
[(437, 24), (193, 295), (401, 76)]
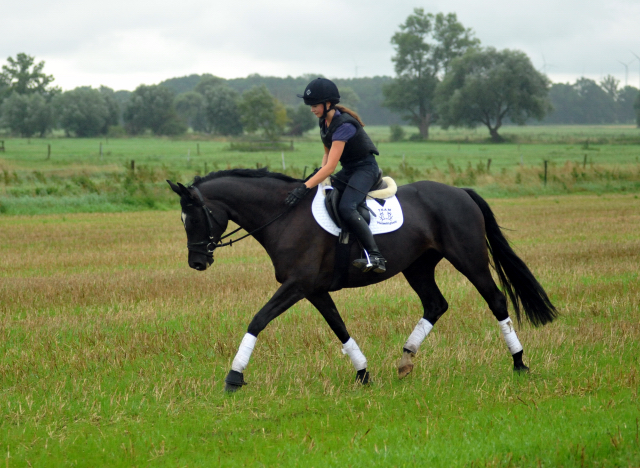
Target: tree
[(23, 76), (636, 106), (301, 120), (488, 86), (27, 115), (151, 107), (425, 46), (222, 111), (625, 112), (208, 82), (111, 101), (190, 106), (610, 86), (565, 103), (597, 106), (348, 98), (83, 112), (259, 110), (587, 102)]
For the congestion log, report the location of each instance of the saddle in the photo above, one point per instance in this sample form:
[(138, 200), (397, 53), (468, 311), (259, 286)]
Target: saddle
[(385, 187)]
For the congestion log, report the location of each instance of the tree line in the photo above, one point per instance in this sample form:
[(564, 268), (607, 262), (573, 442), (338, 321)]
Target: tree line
[(30, 105), (443, 76)]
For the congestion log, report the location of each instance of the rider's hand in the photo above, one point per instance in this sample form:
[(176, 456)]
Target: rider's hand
[(296, 195)]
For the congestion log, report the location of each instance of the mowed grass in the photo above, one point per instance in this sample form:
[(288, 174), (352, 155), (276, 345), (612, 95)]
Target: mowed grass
[(114, 352)]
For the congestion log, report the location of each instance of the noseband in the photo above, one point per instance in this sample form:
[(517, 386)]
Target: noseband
[(205, 247)]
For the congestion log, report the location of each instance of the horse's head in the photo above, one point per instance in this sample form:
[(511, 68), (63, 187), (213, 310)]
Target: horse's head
[(204, 225)]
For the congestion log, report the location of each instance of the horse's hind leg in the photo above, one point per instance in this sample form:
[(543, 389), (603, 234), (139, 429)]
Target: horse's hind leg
[(420, 275), (326, 306), (486, 286), (476, 269)]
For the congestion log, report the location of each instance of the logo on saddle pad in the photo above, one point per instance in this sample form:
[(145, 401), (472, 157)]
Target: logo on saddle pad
[(385, 216), (388, 218)]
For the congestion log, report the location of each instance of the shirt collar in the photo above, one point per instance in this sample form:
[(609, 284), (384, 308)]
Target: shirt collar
[(334, 116)]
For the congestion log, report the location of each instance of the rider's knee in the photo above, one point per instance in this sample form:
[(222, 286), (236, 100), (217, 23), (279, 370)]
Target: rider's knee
[(348, 214)]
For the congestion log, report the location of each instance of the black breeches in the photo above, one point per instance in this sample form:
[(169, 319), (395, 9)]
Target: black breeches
[(360, 179)]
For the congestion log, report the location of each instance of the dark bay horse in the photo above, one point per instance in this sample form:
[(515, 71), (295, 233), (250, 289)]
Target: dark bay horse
[(439, 222)]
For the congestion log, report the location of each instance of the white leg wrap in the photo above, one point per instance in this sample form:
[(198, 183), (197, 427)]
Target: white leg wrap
[(244, 353), (510, 337), (418, 335), (356, 356)]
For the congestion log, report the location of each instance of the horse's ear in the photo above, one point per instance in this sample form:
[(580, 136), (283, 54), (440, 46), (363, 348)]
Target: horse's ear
[(184, 191), (174, 187)]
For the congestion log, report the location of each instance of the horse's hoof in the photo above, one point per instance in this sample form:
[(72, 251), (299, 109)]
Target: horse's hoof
[(405, 366), (234, 381), (362, 377), (518, 365)]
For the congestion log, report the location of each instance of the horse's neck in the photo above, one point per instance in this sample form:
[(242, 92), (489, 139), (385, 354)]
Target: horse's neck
[(250, 202)]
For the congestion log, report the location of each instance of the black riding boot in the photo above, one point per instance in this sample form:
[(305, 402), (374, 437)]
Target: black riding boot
[(376, 262)]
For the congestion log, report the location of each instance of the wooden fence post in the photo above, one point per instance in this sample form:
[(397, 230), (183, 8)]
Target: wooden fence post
[(133, 165), (2, 145), (49, 151), (545, 172), (489, 165)]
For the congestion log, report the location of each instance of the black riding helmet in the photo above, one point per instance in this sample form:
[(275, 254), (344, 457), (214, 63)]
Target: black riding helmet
[(320, 90)]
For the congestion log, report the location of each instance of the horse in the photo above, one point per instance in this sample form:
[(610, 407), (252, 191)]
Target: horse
[(440, 221)]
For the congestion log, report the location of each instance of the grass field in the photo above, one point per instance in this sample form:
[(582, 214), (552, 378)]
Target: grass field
[(77, 178), (113, 351)]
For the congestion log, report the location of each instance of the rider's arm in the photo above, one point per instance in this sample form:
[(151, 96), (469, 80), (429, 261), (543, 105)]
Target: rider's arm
[(337, 147), (325, 156)]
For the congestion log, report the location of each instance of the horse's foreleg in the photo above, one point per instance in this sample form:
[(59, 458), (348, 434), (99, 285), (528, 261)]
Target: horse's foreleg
[(286, 296), (326, 306)]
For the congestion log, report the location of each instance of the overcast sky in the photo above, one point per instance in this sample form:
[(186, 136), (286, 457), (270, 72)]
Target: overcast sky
[(125, 43)]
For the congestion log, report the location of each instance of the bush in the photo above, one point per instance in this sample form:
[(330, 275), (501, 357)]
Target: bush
[(397, 133), (116, 131)]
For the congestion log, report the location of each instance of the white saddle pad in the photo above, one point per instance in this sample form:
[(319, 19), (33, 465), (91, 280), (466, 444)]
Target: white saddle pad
[(388, 218)]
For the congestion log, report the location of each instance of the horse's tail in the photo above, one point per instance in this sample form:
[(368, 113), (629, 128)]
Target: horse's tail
[(515, 277)]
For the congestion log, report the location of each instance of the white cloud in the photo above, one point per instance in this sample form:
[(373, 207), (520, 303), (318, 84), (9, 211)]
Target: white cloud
[(125, 43)]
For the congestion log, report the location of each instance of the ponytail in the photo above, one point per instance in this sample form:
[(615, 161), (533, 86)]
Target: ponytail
[(352, 113)]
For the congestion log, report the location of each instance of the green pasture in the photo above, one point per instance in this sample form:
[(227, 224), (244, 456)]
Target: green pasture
[(96, 175), (113, 352)]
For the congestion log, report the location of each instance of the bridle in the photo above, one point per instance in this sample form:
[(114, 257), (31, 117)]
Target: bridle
[(206, 247)]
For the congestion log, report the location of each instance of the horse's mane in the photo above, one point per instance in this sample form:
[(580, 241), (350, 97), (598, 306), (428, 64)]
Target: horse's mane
[(247, 173)]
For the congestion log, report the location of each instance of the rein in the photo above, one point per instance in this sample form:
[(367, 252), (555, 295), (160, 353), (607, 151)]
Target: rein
[(211, 245)]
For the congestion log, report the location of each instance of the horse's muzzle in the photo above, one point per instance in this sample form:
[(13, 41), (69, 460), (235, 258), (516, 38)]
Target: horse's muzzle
[(200, 262)]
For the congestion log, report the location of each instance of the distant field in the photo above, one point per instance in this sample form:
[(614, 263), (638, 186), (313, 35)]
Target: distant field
[(77, 178), (114, 352)]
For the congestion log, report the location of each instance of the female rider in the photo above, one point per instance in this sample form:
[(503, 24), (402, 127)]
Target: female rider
[(345, 141)]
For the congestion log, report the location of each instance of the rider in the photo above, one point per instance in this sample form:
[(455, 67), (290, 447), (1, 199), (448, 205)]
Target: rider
[(345, 141)]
